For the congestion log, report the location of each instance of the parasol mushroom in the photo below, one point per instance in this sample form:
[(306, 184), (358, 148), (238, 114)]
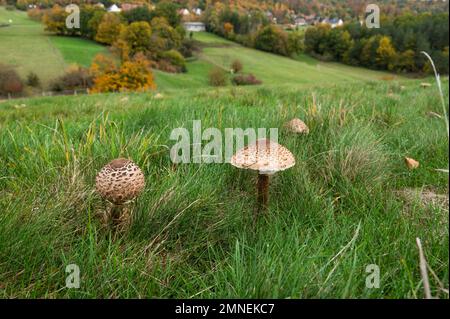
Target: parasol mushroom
[(266, 157), (297, 126), (119, 182)]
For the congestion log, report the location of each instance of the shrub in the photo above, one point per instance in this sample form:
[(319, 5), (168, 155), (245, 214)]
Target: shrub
[(188, 47), (236, 66), (35, 14), (10, 82), (217, 77), (164, 65), (174, 58), (33, 80), (245, 79), (75, 78)]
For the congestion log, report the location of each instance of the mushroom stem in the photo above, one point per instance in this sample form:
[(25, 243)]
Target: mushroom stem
[(263, 191), (116, 214)]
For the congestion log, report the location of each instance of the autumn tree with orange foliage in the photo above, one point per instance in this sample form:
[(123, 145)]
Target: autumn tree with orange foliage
[(228, 28), (55, 20), (132, 75)]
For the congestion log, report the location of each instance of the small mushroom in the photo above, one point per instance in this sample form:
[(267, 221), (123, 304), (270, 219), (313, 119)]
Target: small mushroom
[(411, 163), (119, 182), (297, 126), (266, 157)]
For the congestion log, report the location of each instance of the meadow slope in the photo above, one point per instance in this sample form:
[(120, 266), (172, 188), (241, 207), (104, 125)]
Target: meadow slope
[(340, 209), (27, 47), (272, 69)]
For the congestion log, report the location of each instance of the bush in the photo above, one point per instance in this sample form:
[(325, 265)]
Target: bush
[(245, 79), (217, 77), (175, 59), (33, 80), (188, 47), (10, 82), (236, 66), (164, 65), (74, 78), (35, 14)]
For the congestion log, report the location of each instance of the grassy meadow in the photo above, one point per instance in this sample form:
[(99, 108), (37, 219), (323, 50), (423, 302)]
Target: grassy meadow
[(271, 69), (348, 202), (28, 48)]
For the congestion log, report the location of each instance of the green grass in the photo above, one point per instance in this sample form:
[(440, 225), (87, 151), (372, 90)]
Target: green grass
[(192, 233), (196, 77), (270, 68), (77, 50), (26, 46)]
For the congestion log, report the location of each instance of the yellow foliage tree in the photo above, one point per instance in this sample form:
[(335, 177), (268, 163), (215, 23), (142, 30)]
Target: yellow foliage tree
[(385, 53), (132, 75), (228, 28), (109, 29), (55, 20)]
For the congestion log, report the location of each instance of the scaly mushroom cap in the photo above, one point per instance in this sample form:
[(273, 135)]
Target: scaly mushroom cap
[(264, 156), (297, 126), (119, 181)]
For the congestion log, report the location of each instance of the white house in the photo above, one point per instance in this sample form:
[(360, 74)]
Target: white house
[(184, 12), (114, 8), (194, 26), (300, 22), (198, 11)]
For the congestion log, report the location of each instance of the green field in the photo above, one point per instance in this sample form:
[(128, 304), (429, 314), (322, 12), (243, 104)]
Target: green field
[(77, 50), (26, 46), (270, 68), (348, 203)]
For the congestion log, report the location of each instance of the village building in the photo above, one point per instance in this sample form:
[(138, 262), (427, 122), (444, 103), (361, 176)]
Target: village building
[(184, 12), (299, 22), (114, 8), (194, 26)]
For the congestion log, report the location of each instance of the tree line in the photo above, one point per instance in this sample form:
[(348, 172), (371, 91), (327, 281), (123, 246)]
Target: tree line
[(252, 29), (395, 46)]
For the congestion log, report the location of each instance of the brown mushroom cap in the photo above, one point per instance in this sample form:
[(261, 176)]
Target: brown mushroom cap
[(297, 126), (119, 181), (264, 156)]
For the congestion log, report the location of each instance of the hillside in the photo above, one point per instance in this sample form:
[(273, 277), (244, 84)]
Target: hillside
[(349, 201), (26, 46), (270, 68)]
